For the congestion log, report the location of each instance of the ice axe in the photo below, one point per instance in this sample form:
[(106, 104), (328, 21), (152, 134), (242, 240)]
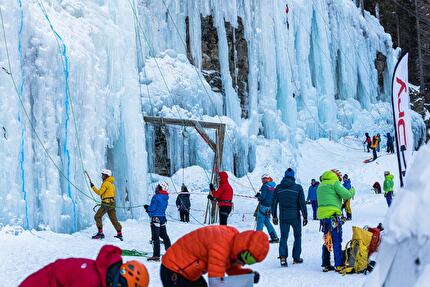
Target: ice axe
[(88, 176)]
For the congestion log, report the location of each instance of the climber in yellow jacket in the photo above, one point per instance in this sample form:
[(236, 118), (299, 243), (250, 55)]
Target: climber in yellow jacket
[(107, 195)]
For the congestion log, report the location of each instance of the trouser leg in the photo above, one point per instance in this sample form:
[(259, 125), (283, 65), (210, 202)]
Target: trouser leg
[(326, 226), (314, 204), (270, 228), (155, 235), (283, 246), (224, 212), (297, 231), (389, 198), (165, 236), (114, 219), (187, 216), (172, 279), (375, 156), (260, 220), (98, 217), (336, 233)]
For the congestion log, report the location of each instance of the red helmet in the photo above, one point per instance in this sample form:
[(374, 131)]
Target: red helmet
[(338, 173)]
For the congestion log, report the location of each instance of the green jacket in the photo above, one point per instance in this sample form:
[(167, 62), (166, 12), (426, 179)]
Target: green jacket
[(388, 183), (330, 193)]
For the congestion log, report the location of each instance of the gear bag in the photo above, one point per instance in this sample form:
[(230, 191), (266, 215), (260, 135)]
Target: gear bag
[(357, 251), (245, 280), (376, 239)]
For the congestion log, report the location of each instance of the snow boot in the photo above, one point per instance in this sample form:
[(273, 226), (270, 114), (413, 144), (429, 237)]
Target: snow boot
[(283, 261), (98, 235), (119, 236), (298, 261), (154, 258), (273, 238), (328, 268)]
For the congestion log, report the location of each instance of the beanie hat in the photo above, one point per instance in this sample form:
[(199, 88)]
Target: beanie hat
[(289, 173)]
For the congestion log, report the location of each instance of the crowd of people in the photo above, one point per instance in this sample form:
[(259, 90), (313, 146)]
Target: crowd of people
[(374, 144), (218, 250)]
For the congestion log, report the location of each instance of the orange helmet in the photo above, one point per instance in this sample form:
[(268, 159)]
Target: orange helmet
[(135, 274), (338, 173)]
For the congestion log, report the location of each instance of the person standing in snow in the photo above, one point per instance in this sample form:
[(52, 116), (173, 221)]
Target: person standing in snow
[(291, 199), (107, 195), (367, 141), (106, 271), (312, 197), (388, 187), (217, 250), (347, 203), (330, 194), (390, 143), (224, 196), (264, 197), (157, 211), (374, 146), (183, 204)]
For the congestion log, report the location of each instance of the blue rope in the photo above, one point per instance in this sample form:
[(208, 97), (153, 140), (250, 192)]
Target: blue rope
[(20, 92), (66, 103)]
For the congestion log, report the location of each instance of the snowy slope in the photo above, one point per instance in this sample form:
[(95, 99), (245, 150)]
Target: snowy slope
[(23, 252), (84, 70)]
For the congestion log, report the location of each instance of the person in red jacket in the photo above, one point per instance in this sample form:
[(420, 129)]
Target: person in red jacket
[(224, 196), (106, 271)]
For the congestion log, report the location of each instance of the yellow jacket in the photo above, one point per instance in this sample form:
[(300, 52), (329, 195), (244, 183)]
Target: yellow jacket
[(107, 190)]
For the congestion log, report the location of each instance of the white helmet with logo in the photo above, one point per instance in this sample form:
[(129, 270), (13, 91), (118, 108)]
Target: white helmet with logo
[(107, 172), (164, 186)]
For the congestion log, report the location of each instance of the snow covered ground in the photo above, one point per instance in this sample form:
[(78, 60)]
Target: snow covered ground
[(23, 252)]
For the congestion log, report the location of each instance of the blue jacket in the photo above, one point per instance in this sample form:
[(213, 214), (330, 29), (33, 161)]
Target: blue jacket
[(347, 184), (312, 192), (291, 199), (266, 194), (158, 205)]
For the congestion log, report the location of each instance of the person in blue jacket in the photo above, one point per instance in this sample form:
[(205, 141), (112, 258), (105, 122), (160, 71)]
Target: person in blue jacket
[(312, 197), (291, 199), (157, 211), (263, 209)]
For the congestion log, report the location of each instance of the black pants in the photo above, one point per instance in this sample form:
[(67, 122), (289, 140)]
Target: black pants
[(158, 229), (185, 215), (375, 156), (390, 148), (172, 279), (368, 147), (224, 212)]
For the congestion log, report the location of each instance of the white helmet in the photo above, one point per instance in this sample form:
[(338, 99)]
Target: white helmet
[(164, 186), (265, 176), (107, 172)]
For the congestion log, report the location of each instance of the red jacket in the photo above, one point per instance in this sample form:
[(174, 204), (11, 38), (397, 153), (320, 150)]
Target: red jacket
[(224, 193), (76, 272)]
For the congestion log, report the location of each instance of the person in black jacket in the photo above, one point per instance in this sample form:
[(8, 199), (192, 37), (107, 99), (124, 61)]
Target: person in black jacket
[(291, 199), (183, 204)]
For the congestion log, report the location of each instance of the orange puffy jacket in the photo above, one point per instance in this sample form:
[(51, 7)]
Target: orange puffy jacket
[(214, 250)]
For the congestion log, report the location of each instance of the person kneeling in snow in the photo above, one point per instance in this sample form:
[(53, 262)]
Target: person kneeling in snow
[(329, 195), (263, 209), (106, 271), (157, 211), (216, 250)]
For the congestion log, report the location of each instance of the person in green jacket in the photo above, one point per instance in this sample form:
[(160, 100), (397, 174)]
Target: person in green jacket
[(330, 194), (388, 187)]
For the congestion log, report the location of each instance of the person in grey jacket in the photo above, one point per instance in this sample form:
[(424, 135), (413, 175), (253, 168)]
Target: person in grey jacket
[(291, 199)]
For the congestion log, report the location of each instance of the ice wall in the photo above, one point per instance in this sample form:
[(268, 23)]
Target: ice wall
[(88, 70)]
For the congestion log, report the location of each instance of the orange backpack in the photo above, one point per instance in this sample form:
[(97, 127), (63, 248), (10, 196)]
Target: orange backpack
[(376, 239)]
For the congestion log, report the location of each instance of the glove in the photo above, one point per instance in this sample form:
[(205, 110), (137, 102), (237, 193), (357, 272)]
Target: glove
[(275, 220), (210, 197), (305, 221), (91, 184), (146, 206), (256, 277), (211, 187), (257, 195)]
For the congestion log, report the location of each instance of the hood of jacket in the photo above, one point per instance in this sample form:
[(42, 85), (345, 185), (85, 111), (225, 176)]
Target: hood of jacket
[(288, 181), (110, 179), (389, 177), (256, 242), (223, 177), (329, 176), (108, 256)]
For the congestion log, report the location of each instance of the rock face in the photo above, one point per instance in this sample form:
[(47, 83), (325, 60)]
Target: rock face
[(238, 58)]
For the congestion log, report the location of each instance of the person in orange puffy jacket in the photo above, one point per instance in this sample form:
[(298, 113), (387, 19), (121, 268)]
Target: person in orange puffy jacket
[(224, 196), (217, 250)]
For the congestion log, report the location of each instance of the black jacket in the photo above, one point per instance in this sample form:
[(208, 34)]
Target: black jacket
[(291, 199), (183, 202)]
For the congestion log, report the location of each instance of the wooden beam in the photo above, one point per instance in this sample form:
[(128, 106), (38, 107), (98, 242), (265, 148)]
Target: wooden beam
[(181, 122)]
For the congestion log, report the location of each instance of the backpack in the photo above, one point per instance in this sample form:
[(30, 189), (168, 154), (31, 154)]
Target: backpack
[(376, 239), (377, 187), (357, 251)]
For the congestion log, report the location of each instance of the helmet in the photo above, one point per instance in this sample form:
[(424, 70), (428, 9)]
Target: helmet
[(164, 186), (345, 176), (386, 172), (107, 172), (338, 173), (265, 176), (135, 274)]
